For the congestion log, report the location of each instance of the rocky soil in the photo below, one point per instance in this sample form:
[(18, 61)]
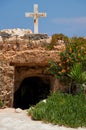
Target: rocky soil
[(17, 119)]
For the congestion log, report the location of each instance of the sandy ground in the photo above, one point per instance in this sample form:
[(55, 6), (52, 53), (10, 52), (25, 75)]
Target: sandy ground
[(11, 119)]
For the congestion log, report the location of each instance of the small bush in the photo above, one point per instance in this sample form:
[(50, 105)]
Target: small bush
[(38, 112), (74, 53), (1, 104), (56, 38), (77, 74), (62, 109)]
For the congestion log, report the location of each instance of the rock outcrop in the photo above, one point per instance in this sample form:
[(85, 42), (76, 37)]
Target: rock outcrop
[(22, 49)]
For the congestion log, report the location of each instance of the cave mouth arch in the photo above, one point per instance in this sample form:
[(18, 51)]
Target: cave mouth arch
[(31, 91)]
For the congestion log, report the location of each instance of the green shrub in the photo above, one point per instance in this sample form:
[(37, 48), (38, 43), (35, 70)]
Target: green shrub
[(77, 74), (55, 40), (50, 46), (62, 109), (1, 104), (38, 112), (74, 53), (56, 37), (78, 78)]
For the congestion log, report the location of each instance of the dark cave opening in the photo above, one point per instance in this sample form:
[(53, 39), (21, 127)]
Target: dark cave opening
[(31, 91)]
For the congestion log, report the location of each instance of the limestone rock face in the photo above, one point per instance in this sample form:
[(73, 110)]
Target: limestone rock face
[(18, 31), (20, 48)]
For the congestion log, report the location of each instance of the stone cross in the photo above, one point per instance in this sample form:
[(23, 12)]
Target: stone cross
[(35, 15)]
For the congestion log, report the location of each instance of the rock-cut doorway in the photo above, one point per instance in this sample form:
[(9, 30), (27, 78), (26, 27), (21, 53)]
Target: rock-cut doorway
[(31, 91)]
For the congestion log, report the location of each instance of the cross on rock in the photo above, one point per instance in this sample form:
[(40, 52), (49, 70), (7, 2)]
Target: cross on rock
[(35, 15)]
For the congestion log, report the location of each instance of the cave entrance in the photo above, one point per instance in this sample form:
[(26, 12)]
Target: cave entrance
[(31, 91)]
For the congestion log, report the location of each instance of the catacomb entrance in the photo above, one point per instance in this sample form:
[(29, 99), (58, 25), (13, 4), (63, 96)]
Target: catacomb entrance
[(31, 91)]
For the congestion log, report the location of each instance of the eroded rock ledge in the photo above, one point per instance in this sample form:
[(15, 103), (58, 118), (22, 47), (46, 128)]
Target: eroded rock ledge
[(22, 48)]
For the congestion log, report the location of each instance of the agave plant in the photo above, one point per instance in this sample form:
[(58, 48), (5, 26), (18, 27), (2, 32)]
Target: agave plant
[(84, 77), (77, 75)]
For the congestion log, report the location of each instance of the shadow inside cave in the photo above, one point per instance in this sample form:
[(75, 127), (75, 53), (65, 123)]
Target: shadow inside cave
[(31, 91)]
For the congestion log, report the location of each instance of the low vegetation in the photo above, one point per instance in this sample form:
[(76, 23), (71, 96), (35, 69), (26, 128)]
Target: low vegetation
[(1, 104), (69, 108), (73, 56), (56, 38), (62, 109)]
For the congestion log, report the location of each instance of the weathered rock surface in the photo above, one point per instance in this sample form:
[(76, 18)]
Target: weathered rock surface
[(25, 50), (14, 32)]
